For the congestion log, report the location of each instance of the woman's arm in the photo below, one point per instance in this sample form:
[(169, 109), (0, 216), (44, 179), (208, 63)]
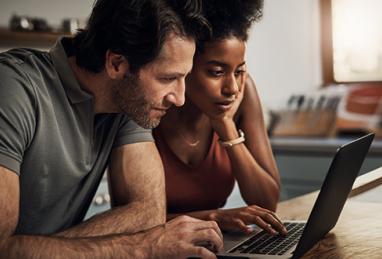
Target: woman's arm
[(252, 162)]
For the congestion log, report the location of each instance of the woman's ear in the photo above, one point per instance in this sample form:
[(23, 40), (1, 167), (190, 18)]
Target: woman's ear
[(116, 65)]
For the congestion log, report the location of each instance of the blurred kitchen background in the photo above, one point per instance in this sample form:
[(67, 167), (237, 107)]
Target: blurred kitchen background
[(317, 65)]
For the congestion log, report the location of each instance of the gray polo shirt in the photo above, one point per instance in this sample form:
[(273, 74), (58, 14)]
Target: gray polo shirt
[(51, 137)]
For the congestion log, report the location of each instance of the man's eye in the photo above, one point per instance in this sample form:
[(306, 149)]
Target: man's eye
[(168, 79)]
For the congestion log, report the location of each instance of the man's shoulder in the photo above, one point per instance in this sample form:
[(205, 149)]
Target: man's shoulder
[(20, 70), (25, 60), (24, 67)]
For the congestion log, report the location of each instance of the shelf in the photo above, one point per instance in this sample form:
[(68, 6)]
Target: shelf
[(10, 38)]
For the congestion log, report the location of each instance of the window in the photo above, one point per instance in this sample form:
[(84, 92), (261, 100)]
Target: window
[(351, 40)]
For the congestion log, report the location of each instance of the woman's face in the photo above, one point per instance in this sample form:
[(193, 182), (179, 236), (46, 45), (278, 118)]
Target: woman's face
[(217, 76)]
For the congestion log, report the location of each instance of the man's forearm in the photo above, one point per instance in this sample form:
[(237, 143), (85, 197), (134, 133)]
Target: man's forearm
[(23, 246), (131, 218), (201, 214)]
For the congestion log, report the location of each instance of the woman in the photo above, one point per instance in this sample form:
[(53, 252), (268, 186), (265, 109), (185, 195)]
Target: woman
[(219, 136)]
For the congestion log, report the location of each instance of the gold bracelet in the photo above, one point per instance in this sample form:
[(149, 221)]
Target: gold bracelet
[(233, 142)]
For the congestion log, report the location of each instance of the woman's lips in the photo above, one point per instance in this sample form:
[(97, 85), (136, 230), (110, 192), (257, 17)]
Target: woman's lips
[(224, 106)]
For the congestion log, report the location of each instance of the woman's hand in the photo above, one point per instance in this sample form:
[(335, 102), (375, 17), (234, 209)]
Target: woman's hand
[(238, 98), (224, 122), (239, 218)]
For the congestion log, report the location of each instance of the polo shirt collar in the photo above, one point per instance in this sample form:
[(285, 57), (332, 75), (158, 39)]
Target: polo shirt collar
[(60, 61)]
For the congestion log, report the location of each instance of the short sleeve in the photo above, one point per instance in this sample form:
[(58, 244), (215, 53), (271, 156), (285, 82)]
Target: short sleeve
[(130, 132), (17, 116)]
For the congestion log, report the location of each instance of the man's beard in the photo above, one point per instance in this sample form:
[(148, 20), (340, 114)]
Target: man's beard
[(130, 98)]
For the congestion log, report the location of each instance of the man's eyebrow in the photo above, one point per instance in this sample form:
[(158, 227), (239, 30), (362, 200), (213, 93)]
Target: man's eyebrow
[(174, 74)]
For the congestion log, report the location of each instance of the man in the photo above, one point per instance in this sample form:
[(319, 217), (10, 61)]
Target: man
[(92, 100)]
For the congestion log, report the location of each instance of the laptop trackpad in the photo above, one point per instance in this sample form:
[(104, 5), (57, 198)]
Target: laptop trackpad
[(232, 239)]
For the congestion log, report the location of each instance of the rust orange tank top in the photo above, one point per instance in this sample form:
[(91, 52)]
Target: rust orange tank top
[(204, 187)]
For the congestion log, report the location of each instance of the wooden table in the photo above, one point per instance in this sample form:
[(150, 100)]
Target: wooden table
[(358, 233)]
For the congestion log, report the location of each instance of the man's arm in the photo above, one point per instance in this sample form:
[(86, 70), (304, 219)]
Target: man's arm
[(136, 182), (22, 246), (136, 177), (183, 234)]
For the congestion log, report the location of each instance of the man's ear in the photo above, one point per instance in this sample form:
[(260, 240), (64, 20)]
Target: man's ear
[(116, 65)]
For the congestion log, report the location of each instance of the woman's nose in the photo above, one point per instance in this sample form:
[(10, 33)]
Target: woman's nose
[(231, 86)]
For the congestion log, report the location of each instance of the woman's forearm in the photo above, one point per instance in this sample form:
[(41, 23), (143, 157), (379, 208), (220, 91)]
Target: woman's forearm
[(257, 186)]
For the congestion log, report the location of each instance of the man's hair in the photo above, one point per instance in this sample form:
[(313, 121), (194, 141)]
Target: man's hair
[(231, 18), (136, 29)]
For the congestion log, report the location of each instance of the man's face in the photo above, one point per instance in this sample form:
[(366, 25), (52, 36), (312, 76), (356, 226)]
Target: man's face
[(147, 95)]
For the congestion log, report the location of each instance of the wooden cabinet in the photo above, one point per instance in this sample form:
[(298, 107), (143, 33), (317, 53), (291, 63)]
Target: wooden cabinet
[(11, 39)]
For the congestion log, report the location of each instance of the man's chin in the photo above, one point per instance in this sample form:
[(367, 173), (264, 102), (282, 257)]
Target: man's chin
[(148, 124)]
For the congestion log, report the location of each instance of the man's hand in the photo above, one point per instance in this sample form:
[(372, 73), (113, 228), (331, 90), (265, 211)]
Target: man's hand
[(184, 237), (238, 219)]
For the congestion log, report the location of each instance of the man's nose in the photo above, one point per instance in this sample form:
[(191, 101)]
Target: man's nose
[(177, 97)]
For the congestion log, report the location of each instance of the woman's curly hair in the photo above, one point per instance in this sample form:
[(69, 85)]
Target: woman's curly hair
[(231, 18)]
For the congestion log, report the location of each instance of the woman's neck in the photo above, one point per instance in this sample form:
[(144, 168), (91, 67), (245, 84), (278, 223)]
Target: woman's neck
[(191, 117)]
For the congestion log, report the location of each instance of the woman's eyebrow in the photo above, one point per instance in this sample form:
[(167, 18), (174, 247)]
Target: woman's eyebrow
[(241, 64), (222, 64), (216, 63)]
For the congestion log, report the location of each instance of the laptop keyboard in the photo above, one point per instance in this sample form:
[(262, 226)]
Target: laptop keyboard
[(264, 243)]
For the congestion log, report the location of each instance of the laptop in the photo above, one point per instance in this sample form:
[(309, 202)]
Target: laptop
[(302, 235)]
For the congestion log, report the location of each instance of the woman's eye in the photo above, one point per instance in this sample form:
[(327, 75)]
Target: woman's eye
[(216, 73), (239, 72)]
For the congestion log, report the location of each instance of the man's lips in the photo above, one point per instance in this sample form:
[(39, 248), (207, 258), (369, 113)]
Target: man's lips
[(161, 111), (161, 108)]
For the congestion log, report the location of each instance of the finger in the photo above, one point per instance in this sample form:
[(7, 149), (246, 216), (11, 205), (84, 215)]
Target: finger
[(242, 226), (274, 215), (200, 232), (207, 238), (276, 224), (248, 219), (264, 225), (196, 224), (208, 225), (243, 79), (236, 219), (264, 220), (271, 218), (199, 252)]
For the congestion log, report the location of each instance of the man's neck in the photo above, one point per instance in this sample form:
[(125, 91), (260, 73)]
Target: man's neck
[(96, 84)]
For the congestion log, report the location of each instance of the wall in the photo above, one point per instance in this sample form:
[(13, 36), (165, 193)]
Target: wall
[(283, 52), (52, 10)]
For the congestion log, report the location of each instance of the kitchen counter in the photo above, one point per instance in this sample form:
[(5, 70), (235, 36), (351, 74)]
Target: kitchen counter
[(303, 162)]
